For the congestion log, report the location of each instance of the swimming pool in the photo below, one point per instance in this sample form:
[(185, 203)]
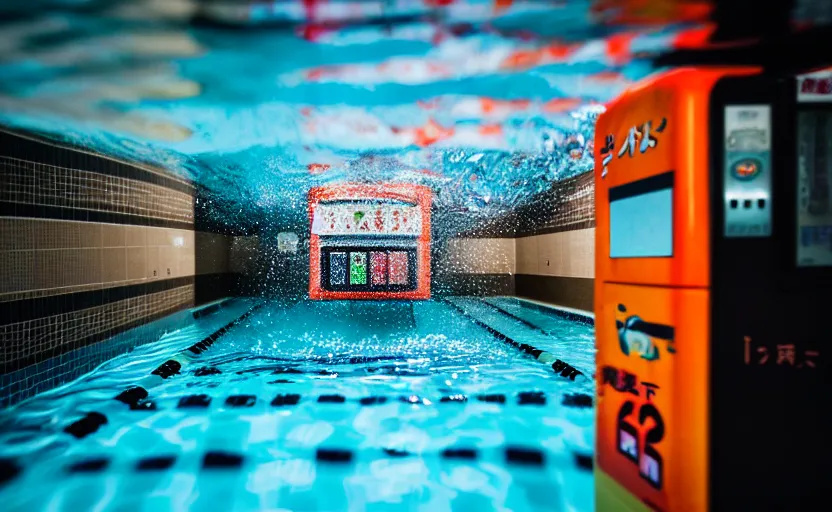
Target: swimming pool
[(322, 406)]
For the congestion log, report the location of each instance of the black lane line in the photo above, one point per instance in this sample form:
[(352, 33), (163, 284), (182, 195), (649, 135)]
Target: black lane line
[(201, 346), (135, 397), (512, 316), (559, 367), (136, 394)]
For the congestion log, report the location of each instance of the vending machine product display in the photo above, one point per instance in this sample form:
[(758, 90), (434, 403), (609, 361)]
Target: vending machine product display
[(370, 242), (711, 261)]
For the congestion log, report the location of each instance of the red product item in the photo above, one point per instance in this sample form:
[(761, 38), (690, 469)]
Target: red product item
[(378, 268), (398, 268)]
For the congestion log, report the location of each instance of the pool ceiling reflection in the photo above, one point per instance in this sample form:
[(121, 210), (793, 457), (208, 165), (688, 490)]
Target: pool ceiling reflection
[(487, 101)]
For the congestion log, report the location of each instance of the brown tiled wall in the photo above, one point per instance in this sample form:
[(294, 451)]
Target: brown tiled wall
[(550, 255), (41, 257), (555, 247), (54, 334), (28, 183), (89, 248)]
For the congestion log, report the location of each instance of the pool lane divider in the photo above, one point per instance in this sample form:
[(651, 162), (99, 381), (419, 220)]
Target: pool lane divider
[(135, 396), (560, 367), (173, 366)]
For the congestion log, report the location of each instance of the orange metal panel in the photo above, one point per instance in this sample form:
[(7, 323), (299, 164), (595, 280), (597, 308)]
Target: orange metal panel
[(678, 99), (652, 401)]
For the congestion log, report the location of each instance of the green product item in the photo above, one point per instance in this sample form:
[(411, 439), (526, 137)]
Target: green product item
[(358, 268)]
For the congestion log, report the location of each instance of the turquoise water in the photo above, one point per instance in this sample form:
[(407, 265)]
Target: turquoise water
[(422, 409)]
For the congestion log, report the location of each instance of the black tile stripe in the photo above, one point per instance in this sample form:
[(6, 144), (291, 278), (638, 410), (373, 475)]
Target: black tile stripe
[(574, 317), (30, 309), (28, 148), (571, 292), (575, 226), (36, 211), (543, 212), (222, 459), (19, 364)]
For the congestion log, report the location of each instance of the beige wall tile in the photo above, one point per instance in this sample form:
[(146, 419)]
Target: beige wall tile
[(186, 261), (136, 236), (189, 238), (591, 250), (526, 254), (168, 263), (569, 254), (17, 271), (152, 269), (113, 235), (481, 256), (157, 237), (548, 254), (113, 264), (58, 268), (136, 262), (91, 234)]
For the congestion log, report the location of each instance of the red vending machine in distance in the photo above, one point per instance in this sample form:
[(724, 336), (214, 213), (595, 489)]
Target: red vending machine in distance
[(369, 241)]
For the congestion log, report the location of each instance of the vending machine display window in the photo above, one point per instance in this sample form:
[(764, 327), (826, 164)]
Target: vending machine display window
[(814, 188), (369, 269)]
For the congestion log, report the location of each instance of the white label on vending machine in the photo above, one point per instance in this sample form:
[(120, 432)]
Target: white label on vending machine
[(747, 171)]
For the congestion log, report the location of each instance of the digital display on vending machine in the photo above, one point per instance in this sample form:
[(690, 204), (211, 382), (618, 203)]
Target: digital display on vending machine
[(814, 188)]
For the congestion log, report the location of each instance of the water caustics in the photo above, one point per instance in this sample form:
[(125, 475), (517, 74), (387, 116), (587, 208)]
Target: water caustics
[(319, 406)]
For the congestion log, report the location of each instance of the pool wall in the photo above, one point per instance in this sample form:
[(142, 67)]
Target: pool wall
[(91, 248), (544, 250)]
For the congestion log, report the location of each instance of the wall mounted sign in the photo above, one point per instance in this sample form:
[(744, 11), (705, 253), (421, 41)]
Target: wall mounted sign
[(367, 219)]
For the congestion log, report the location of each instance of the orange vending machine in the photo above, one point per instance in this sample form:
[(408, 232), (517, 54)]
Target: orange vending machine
[(711, 381), (370, 241)]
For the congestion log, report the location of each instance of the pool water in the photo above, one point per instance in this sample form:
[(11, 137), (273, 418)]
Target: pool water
[(322, 406)]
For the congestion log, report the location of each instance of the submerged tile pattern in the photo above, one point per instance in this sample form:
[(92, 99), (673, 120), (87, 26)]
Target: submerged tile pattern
[(31, 183), (36, 378), (49, 336)]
